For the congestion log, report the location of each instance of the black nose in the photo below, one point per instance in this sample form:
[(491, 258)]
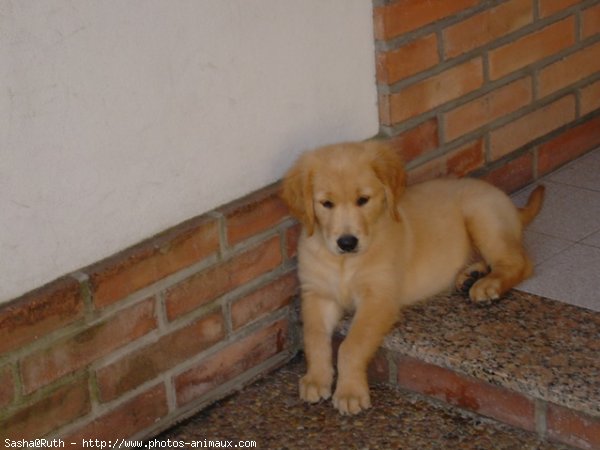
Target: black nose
[(347, 243)]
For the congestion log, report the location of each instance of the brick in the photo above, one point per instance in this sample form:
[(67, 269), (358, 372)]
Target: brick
[(39, 312), (434, 168), (265, 300), (487, 108), (466, 158), (569, 70), (458, 162), (590, 21), (231, 362), (403, 16), (149, 362), (589, 99), (292, 236), (75, 352), (513, 174), (416, 141), (531, 126), (212, 283), (58, 408), (7, 387), (152, 260), (569, 145), (549, 7), (487, 26), (254, 214), (127, 419), (434, 91), (378, 370), (410, 59), (466, 392), (572, 427), (532, 48)]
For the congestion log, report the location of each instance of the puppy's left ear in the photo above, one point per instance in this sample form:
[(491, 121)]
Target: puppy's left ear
[(389, 168), (296, 192)]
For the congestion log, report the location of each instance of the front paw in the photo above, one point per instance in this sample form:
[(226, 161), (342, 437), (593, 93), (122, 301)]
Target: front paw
[(351, 397), (313, 387)]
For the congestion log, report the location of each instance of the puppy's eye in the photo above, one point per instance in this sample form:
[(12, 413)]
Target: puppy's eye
[(362, 200), (327, 204)]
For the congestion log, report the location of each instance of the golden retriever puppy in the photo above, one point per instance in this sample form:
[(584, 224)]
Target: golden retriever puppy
[(371, 246)]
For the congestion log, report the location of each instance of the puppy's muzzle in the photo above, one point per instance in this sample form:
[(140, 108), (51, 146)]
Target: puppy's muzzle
[(347, 243)]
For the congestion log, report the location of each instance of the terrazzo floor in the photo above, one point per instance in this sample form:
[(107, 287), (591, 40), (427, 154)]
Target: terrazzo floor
[(564, 240)]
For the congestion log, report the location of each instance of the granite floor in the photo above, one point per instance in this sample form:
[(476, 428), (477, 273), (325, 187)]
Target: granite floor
[(564, 240)]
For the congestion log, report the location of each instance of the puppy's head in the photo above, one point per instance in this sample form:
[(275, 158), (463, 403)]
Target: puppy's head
[(343, 191)]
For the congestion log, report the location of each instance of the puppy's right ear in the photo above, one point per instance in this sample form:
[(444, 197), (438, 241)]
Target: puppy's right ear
[(297, 193)]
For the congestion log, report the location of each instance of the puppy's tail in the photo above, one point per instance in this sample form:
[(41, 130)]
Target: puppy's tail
[(533, 206)]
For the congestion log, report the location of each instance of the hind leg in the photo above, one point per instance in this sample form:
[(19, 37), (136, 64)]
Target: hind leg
[(497, 235), (495, 229), (509, 266)]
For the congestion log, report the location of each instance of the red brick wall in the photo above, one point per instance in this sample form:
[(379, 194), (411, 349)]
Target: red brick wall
[(130, 345), (505, 90)]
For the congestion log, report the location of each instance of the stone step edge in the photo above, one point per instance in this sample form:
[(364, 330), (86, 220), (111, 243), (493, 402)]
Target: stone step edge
[(549, 420)]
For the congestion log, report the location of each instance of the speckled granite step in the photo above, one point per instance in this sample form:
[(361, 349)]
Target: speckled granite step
[(271, 414), (526, 361)]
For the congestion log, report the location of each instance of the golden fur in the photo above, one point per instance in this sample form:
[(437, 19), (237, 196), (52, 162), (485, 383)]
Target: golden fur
[(371, 246)]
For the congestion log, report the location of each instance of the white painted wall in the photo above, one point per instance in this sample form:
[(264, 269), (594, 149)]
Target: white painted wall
[(121, 118)]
